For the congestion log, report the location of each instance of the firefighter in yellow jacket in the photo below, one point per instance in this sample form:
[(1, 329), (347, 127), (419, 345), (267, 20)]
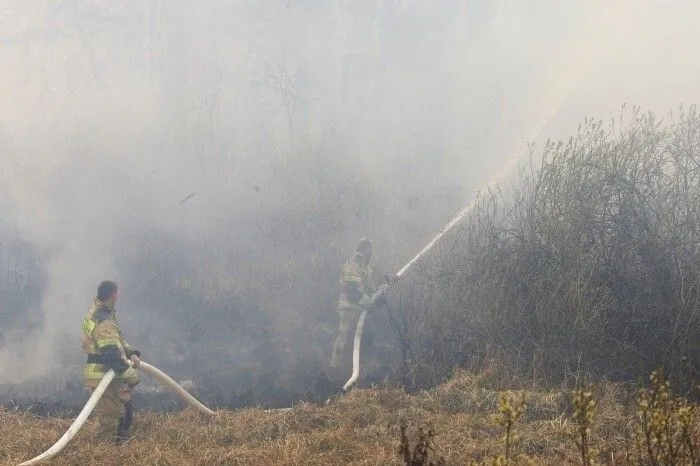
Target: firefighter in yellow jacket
[(357, 287), (106, 349)]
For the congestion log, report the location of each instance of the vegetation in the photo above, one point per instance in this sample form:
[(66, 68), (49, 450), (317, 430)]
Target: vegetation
[(584, 406), (663, 434), (419, 454), (587, 263), (468, 424)]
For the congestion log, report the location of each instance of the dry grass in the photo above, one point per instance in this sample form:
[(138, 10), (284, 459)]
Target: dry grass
[(363, 427)]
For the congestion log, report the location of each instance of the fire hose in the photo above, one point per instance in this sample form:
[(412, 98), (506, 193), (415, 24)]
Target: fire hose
[(384, 288), (97, 394)]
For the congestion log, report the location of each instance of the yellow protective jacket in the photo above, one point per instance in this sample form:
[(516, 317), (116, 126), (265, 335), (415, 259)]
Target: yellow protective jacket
[(106, 348), (356, 284)]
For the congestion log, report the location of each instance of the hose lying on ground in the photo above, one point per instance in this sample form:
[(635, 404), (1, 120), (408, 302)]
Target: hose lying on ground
[(95, 397)]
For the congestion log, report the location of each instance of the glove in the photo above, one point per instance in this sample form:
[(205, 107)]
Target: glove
[(365, 302), (130, 377), (379, 298)]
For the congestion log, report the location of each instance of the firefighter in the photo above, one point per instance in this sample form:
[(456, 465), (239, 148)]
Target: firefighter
[(106, 349), (357, 290)]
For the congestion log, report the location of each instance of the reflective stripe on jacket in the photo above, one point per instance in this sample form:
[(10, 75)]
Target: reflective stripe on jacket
[(102, 340), (355, 278)]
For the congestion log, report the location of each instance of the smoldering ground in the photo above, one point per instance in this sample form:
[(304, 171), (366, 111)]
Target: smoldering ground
[(220, 161)]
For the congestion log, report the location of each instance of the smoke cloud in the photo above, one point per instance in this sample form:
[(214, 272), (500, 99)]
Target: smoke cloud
[(239, 149)]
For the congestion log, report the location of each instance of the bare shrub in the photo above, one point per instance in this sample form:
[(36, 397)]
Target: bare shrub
[(589, 260)]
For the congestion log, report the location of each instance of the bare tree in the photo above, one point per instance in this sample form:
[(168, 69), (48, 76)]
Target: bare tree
[(285, 81)]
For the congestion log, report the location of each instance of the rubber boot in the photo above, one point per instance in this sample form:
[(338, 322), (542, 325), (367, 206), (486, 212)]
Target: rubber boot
[(125, 421)]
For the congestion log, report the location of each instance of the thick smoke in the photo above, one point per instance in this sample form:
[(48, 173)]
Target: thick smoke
[(220, 160)]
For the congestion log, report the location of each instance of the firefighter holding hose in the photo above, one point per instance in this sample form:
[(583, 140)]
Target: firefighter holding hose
[(106, 349), (358, 292)]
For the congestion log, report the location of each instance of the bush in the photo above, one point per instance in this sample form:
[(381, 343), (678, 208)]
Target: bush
[(589, 261)]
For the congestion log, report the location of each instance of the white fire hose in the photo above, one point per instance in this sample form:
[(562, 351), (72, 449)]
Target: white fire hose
[(361, 321), (95, 397), (174, 386)]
